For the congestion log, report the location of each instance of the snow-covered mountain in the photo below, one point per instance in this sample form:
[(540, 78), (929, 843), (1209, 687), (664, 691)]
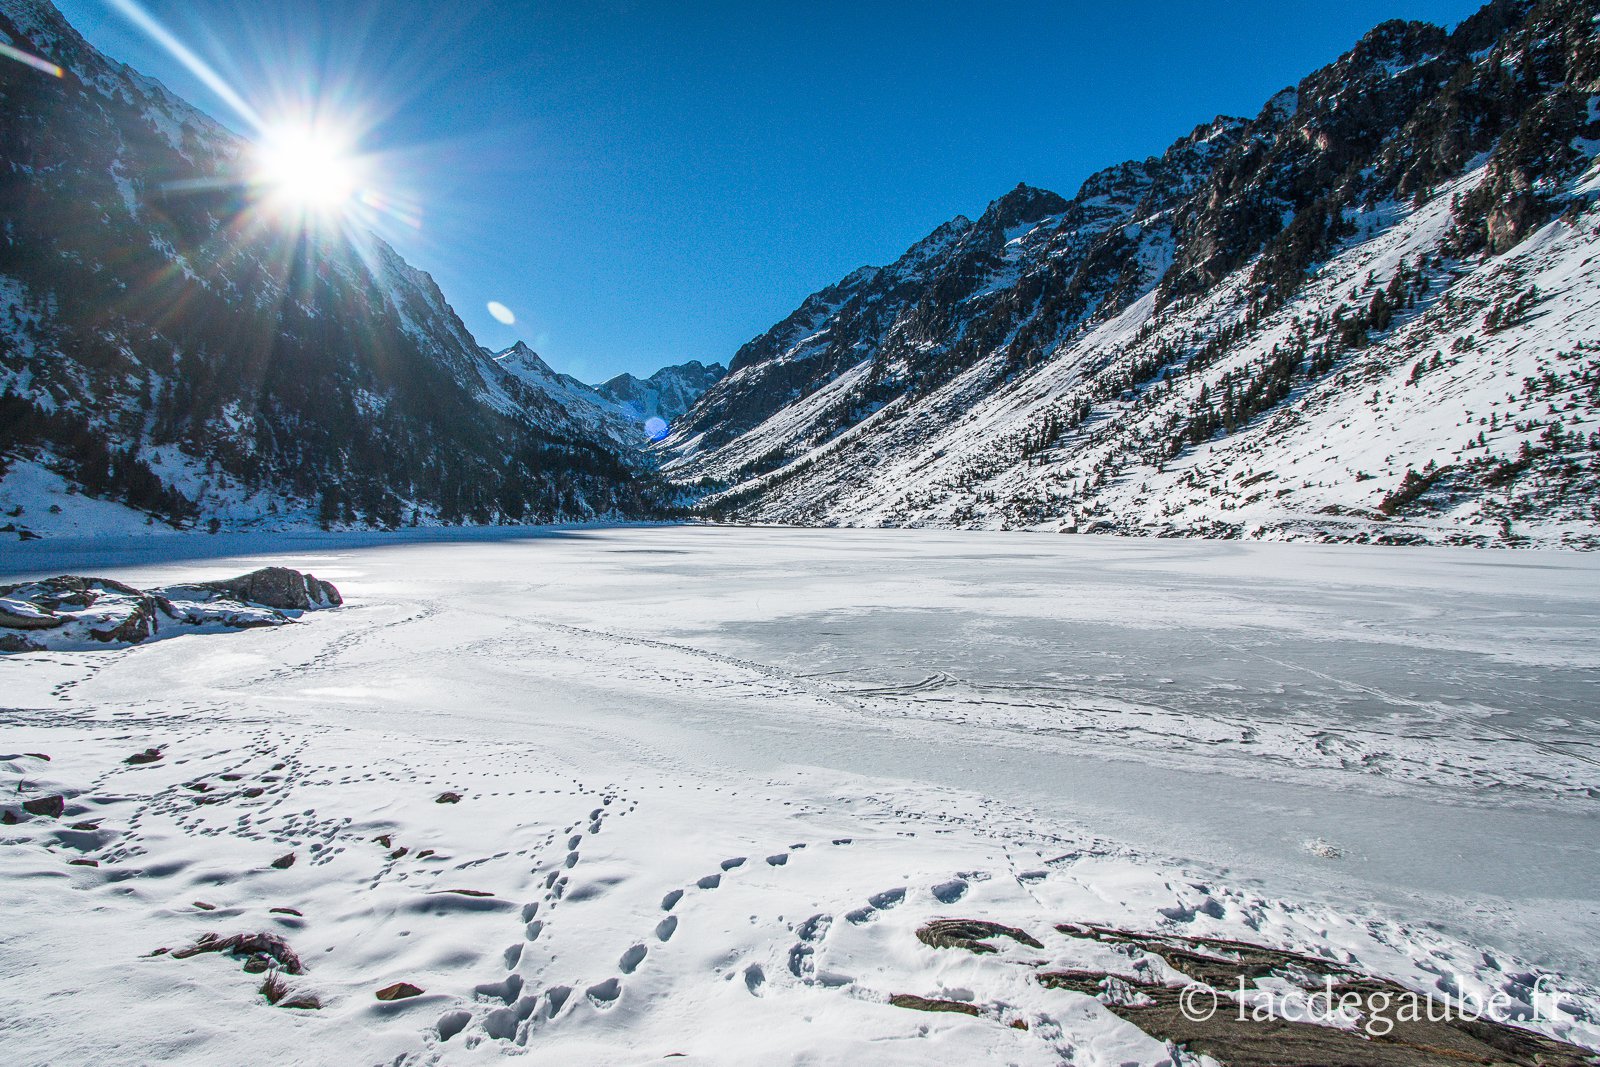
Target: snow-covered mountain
[(1371, 312), (167, 352), (668, 393), (626, 410)]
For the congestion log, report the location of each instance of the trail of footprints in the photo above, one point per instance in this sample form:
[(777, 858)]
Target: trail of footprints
[(248, 791), (518, 1013)]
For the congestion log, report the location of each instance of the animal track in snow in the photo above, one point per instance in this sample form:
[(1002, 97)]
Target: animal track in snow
[(632, 958)]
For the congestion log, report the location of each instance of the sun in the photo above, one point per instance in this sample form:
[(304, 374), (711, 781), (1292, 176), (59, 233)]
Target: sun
[(307, 168)]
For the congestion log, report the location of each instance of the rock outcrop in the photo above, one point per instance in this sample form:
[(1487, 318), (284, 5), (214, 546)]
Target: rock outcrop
[(278, 587), (69, 612)]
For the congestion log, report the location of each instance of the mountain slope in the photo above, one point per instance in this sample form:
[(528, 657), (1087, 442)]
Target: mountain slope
[(167, 344), (1294, 325)]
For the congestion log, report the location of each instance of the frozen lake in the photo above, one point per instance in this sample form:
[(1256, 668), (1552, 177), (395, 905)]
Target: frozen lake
[(1390, 751)]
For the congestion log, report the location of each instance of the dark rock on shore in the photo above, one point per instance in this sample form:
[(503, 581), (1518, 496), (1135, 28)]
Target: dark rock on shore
[(72, 612), (278, 587), (1400, 1027), (50, 807)]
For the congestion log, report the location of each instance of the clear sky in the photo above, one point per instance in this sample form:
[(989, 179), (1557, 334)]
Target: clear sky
[(644, 183)]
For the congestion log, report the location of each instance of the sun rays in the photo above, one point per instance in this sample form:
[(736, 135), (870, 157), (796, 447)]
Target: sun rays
[(306, 169)]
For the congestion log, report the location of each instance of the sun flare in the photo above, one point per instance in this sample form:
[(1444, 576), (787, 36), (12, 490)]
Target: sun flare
[(308, 168)]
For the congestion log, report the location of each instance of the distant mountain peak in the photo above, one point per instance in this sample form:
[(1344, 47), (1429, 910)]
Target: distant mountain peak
[(667, 394), (524, 361), (1025, 203)]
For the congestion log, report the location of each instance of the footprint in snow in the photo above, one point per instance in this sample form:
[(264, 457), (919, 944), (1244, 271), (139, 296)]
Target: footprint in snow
[(604, 994), (666, 928), (951, 891), (754, 978), (737, 861), (632, 958), (506, 991), (710, 881), (801, 962), (501, 1024), (452, 1023), (670, 901), (877, 902), (555, 998), (778, 860), (888, 898)]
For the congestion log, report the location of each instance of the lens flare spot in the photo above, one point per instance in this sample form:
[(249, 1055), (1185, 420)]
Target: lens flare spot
[(656, 428), (29, 60), (502, 314)]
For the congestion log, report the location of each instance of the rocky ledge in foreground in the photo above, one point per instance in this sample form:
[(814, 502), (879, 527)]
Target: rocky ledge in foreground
[(1246, 1005), (69, 612)]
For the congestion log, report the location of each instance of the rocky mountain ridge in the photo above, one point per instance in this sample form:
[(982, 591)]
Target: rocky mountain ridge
[(1368, 313)]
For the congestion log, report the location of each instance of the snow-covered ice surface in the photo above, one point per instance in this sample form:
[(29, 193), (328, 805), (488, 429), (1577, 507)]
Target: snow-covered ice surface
[(712, 780)]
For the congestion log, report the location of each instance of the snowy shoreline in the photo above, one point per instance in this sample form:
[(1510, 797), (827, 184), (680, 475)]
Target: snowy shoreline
[(1381, 758)]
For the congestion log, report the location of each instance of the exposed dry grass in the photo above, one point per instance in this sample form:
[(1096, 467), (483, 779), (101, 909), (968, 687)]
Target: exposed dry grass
[(276, 989)]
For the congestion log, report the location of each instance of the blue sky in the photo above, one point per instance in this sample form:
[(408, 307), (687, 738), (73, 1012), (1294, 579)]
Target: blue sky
[(646, 183)]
